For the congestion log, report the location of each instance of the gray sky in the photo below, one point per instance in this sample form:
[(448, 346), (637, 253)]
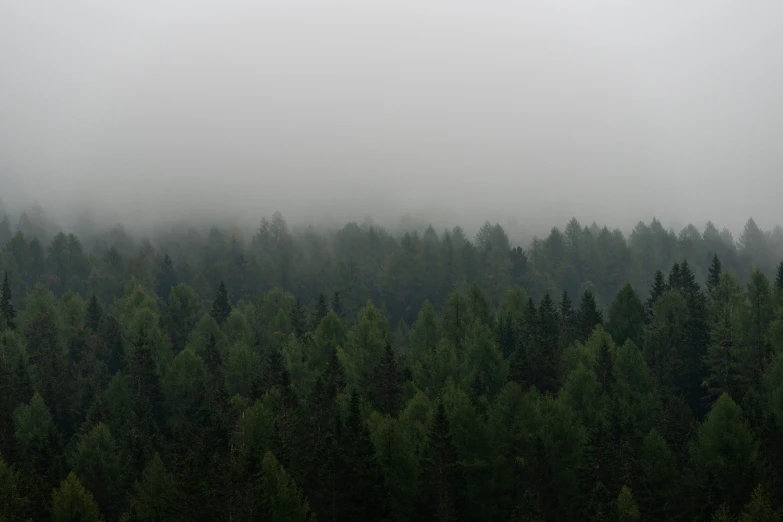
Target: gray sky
[(607, 110)]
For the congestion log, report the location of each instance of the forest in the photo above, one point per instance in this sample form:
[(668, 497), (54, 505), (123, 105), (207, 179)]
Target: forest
[(358, 374)]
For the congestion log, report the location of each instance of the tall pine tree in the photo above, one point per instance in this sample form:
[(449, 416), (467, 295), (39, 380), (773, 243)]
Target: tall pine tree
[(442, 479), (588, 316), (7, 310), (221, 307), (713, 276), (94, 314)]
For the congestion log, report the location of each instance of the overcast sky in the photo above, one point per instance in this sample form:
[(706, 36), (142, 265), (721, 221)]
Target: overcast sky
[(607, 110)]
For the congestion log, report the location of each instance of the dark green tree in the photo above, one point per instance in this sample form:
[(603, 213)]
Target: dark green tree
[(713, 276), (656, 291), (321, 309), (588, 316), (337, 305), (441, 479), (567, 321), (299, 318), (7, 311), (166, 278), (385, 384), (94, 314), (221, 307), (626, 317), (779, 278)]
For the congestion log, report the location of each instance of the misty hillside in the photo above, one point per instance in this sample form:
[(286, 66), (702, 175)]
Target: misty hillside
[(360, 375)]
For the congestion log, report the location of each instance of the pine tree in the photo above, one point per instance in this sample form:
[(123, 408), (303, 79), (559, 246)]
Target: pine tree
[(604, 367), (166, 278), (567, 327), (7, 310), (626, 317), (588, 316), (321, 309), (386, 384), (779, 278), (363, 479), (71, 502), (441, 478), (337, 305), (278, 497), (713, 276), (550, 346), (94, 314), (656, 291), (221, 307), (674, 277), (299, 318)]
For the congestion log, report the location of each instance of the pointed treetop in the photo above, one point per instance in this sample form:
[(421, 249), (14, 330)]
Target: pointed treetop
[(713, 277), (94, 313), (221, 307), (779, 278), (337, 305), (7, 311)]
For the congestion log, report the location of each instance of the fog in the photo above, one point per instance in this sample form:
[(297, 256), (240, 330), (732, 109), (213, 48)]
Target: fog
[(458, 111)]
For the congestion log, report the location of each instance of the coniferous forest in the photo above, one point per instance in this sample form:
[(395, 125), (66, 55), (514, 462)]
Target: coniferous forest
[(361, 375)]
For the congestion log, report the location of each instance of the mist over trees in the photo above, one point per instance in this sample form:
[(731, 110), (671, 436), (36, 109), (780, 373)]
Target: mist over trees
[(361, 374)]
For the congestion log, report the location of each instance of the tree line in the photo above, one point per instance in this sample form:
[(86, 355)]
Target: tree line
[(362, 376)]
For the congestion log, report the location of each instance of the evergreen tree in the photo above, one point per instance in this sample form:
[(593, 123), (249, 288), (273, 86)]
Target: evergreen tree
[(12, 503), (94, 314), (604, 367), (626, 317), (298, 318), (386, 384), (550, 345), (779, 278), (713, 276), (7, 310), (278, 497), (441, 474), (166, 278), (674, 282), (366, 499), (567, 321), (656, 291), (221, 307), (337, 305), (72, 503), (588, 316), (321, 309)]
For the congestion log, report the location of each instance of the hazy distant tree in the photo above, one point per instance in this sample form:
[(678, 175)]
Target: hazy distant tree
[(221, 307), (713, 277), (7, 310), (166, 278)]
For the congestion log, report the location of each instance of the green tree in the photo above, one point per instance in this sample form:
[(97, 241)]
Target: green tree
[(7, 310), (12, 503), (97, 465), (713, 277), (656, 291), (166, 278), (727, 309), (725, 458), (441, 474), (279, 499), (779, 278), (321, 309), (626, 317), (588, 316), (299, 318), (221, 307), (627, 510), (154, 496), (94, 314), (72, 503)]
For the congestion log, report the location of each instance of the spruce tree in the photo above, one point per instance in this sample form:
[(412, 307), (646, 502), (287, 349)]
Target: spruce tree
[(337, 305), (656, 291), (713, 276), (588, 316), (94, 314), (221, 307), (674, 277), (441, 479), (166, 278), (298, 318), (779, 278), (567, 327), (362, 478), (7, 310), (386, 384), (321, 309)]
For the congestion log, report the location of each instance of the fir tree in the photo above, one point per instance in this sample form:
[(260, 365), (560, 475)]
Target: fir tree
[(674, 277), (321, 309), (94, 314), (166, 278), (337, 305), (713, 276), (604, 367), (7, 310), (779, 278), (656, 291), (298, 318), (588, 316), (567, 328), (386, 384), (366, 499), (441, 478), (221, 307)]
